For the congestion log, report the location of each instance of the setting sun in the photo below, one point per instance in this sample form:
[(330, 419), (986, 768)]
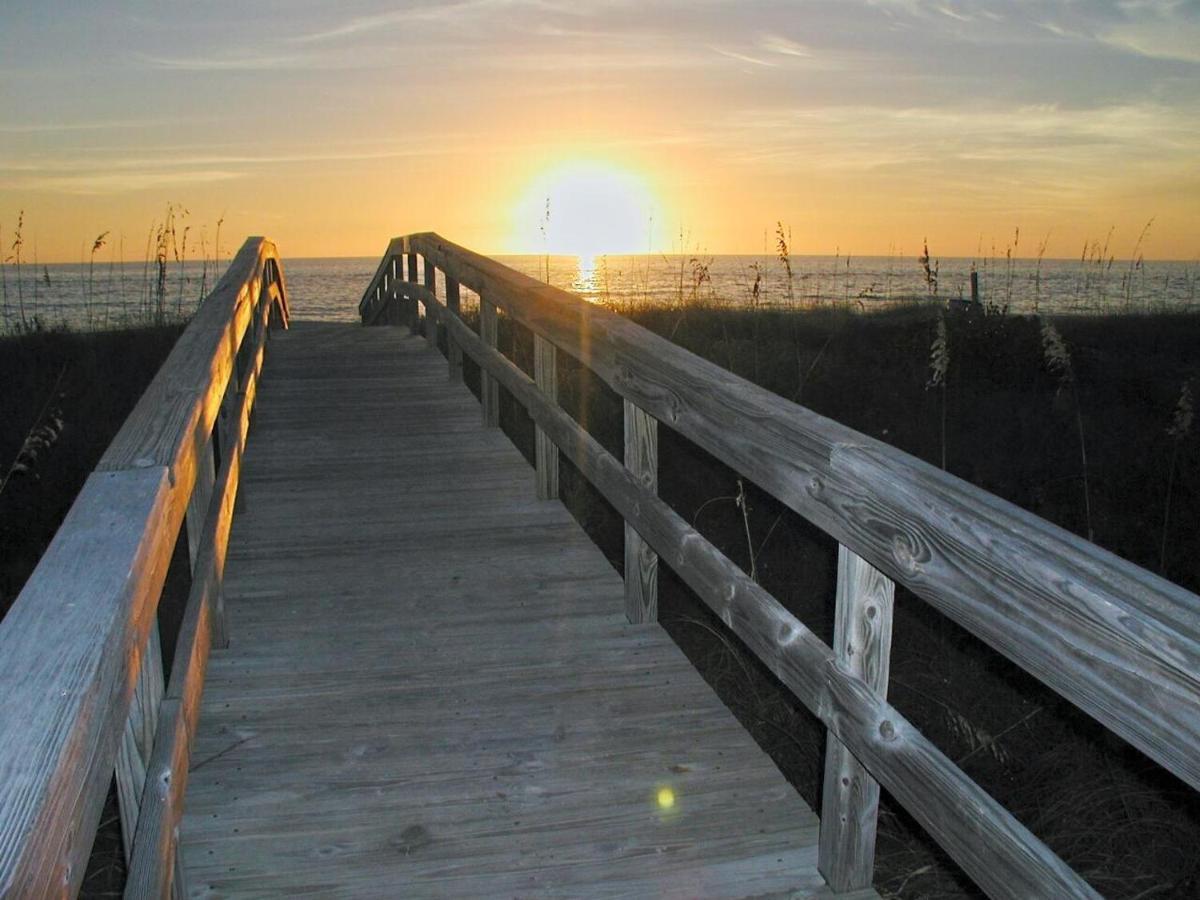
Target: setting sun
[(584, 208)]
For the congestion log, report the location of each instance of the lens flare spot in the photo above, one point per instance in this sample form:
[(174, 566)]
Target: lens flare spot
[(666, 798)]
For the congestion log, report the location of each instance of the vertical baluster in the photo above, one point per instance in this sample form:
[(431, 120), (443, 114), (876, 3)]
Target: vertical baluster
[(431, 313), (489, 388), (862, 644), (545, 358), (641, 562), (138, 739), (410, 306), (453, 351)]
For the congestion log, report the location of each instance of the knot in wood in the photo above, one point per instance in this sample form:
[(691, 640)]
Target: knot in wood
[(887, 730), (905, 554)]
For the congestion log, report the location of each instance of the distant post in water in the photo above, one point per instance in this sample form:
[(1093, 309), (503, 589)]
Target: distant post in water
[(862, 644), (641, 562), (974, 286)]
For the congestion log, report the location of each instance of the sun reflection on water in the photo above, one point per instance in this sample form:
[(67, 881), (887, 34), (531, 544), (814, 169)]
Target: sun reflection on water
[(585, 275)]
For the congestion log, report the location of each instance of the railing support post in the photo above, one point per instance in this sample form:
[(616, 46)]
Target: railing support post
[(862, 644), (431, 322), (454, 353), (489, 388), (137, 742), (641, 562), (410, 306), (545, 373)]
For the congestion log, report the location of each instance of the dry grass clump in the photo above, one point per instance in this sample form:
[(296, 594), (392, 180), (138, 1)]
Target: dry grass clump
[(1058, 363)]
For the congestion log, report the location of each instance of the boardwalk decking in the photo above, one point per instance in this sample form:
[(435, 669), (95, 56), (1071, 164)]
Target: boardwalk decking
[(431, 688)]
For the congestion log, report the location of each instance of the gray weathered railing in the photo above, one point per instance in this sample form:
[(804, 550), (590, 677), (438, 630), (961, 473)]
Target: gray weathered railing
[(80, 672), (1119, 642)]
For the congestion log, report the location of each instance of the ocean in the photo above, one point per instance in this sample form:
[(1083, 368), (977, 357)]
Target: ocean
[(110, 295)]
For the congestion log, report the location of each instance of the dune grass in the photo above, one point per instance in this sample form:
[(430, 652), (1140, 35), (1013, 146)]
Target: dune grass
[(1116, 817)]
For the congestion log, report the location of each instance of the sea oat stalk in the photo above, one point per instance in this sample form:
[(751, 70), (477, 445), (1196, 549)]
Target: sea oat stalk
[(1058, 363)]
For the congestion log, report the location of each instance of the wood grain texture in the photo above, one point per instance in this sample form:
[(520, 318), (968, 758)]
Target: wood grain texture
[(454, 354), (1120, 642), (94, 596), (862, 645), (545, 375), (994, 849), (431, 318), (431, 690), (137, 740), (92, 599), (641, 562), (489, 389), (153, 869)]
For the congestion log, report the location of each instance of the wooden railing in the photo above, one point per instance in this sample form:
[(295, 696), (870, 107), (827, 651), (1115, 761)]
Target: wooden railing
[(1119, 642), (80, 668)]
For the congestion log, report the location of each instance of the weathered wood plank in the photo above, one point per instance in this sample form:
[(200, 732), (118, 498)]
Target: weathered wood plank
[(862, 645), (398, 717), (1118, 641), (94, 595), (454, 353), (641, 562), (137, 740), (431, 316), (545, 370), (996, 850), (92, 598), (154, 869), (489, 389)]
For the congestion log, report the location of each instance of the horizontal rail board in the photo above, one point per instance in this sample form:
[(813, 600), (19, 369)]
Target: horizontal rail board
[(981, 835), (1121, 643), (71, 646), (152, 868)]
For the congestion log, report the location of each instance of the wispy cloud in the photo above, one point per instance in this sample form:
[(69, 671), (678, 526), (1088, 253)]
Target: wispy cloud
[(1171, 40), (741, 57), (246, 63), (774, 43), (100, 125), (105, 183)]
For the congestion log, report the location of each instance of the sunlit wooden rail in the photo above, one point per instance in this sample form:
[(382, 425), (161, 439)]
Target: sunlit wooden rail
[(85, 698), (1116, 640), (81, 675)]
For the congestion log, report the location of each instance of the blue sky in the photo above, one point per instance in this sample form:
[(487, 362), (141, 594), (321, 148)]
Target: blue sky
[(864, 124)]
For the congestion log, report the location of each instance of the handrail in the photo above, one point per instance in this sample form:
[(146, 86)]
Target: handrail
[(1116, 640), (78, 649)]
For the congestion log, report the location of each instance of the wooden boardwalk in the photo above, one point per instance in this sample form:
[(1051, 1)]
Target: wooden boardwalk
[(431, 688)]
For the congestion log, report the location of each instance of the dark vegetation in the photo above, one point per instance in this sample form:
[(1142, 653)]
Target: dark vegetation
[(1011, 427), (1013, 422), (64, 396)]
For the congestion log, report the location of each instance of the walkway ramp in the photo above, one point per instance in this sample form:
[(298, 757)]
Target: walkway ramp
[(431, 688)]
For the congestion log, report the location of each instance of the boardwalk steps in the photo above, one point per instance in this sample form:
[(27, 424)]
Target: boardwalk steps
[(432, 689)]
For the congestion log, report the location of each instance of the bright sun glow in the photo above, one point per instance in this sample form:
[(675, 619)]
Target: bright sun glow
[(586, 209)]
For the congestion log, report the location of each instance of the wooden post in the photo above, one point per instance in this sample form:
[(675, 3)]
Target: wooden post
[(545, 373), (453, 351), (197, 509), (431, 322), (862, 645), (137, 742), (641, 563), (489, 388), (974, 287), (410, 306)]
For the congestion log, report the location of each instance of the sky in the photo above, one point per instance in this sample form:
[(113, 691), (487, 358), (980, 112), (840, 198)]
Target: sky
[(864, 126)]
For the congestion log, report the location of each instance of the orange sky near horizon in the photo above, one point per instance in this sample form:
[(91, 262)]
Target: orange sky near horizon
[(865, 126)]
